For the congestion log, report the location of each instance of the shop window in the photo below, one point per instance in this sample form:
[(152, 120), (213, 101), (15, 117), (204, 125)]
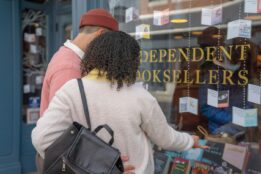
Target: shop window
[(34, 61), (201, 61)]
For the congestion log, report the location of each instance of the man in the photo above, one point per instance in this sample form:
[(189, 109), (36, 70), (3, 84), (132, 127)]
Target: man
[(65, 64)]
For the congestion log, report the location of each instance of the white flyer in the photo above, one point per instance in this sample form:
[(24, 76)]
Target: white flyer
[(32, 115), (254, 93), (239, 28), (212, 98), (27, 89), (34, 49), (245, 117), (131, 14), (188, 104), (211, 16), (39, 80), (39, 31), (29, 37), (161, 17), (252, 6), (218, 99), (143, 31)]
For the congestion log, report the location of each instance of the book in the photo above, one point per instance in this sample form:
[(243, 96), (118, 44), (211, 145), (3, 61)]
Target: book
[(200, 168), (194, 154), (160, 162), (253, 165), (170, 167), (235, 155), (213, 157), (180, 166)]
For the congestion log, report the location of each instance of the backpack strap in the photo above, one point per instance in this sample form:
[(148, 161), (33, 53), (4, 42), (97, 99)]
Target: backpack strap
[(84, 102)]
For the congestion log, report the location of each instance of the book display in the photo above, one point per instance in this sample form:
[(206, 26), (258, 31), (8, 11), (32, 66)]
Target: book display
[(219, 158)]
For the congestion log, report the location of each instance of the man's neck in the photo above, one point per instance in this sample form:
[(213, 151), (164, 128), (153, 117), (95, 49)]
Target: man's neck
[(82, 41)]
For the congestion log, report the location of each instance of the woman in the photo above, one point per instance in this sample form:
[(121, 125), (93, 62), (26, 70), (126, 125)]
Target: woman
[(110, 65)]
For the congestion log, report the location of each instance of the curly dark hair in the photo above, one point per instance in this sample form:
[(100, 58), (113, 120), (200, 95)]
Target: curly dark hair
[(116, 54)]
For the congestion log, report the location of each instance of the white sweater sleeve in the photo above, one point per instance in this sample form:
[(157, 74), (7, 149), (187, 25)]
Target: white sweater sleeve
[(52, 124), (156, 127)]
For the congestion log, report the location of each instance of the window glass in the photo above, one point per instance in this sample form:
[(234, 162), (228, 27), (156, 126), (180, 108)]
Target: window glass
[(201, 60)]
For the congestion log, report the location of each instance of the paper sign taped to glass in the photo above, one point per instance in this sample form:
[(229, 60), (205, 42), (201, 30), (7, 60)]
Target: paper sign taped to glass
[(252, 6), (131, 14), (143, 31), (239, 28), (188, 104), (218, 99), (211, 16), (161, 17), (254, 94), (245, 117)]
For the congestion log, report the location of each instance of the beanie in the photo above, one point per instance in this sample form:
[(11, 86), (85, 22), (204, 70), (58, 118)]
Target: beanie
[(99, 17)]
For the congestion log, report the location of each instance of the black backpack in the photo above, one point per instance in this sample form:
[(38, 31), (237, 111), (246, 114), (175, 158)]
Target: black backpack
[(81, 151)]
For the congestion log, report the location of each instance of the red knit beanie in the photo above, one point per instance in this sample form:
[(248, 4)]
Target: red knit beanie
[(99, 17)]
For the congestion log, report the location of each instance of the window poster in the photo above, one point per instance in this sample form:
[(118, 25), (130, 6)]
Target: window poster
[(143, 31), (131, 14), (28, 37), (188, 104), (219, 99), (161, 17), (211, 16), (252, 6), (239, 28), (245, 117), (254, 94)]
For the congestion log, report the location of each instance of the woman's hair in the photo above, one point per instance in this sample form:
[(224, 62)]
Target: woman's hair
[(114, 53)]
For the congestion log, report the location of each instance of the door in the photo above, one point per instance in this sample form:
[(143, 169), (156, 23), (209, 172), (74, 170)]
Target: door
[(10, 67)]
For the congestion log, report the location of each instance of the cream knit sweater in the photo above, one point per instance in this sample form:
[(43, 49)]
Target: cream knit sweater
[(133, 113)]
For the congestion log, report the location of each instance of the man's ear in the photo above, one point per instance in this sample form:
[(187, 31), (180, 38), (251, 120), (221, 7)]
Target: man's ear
[(101, 31)]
